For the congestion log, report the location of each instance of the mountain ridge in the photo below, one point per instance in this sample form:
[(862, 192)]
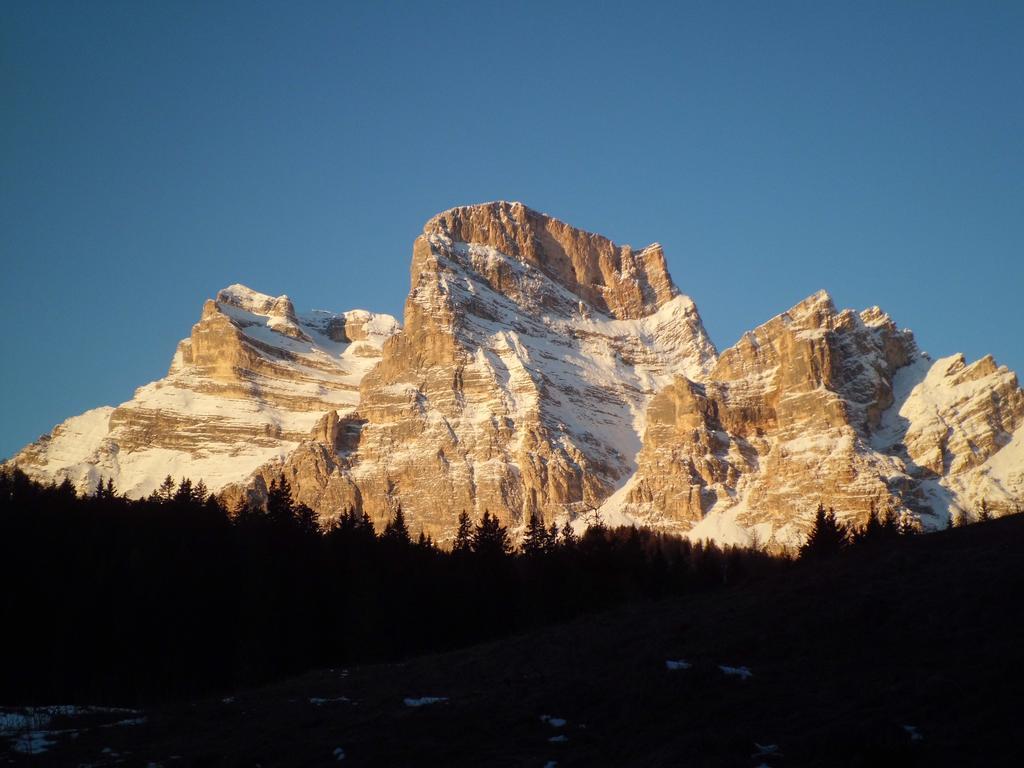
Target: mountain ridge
[(544, 370)]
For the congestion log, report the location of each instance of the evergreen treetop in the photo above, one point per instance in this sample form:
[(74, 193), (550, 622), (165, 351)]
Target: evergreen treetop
[(828, 537)]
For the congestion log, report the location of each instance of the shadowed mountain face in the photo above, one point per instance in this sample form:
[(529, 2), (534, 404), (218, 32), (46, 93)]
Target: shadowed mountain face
[(545, 370)]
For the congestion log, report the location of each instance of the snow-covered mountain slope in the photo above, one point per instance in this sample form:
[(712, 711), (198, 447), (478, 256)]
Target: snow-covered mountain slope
[(821, 406), (546, 370), (959, 429), (245, 388)]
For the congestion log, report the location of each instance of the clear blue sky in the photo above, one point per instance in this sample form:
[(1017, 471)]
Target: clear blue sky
[(151, 153)]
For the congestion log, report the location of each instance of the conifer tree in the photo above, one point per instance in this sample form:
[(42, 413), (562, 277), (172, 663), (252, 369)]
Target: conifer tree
[(396, 531), (165, 491), (66, 491), (551, 541), (306, 520), (569, 540), (872, 529), (879, 527), (365, 526), (985, 514), (490, 537), (184, 494), (345, 522), (280, 507), (245, 513), (463, 535), (214, 507), (535, 537), (353, 526), (200, 492), (828, 537), (595, 540)]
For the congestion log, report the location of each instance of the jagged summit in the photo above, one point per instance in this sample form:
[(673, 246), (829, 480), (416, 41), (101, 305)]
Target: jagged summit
[(247, 386), (830, 406), (616, 280), (245, 298), (816, 305)]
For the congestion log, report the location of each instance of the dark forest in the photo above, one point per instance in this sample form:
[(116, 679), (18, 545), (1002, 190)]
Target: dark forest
[(109, 599)]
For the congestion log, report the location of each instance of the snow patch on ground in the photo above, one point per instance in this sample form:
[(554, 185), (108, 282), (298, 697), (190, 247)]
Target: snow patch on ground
[(33, 742), (424, 701), (30, 730), (766, 750), (743, 673), (554, 722), (316, 701)]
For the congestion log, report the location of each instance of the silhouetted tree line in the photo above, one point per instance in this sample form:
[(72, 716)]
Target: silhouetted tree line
[(111, 599), (829, 536)]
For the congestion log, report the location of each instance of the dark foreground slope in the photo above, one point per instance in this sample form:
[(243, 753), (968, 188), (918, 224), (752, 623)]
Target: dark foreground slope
[(849, 659)]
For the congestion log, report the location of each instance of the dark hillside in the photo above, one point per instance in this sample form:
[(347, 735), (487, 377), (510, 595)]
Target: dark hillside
[(850, 659)]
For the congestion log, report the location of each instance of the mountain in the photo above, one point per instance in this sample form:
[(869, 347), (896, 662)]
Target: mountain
[(546, 370), (822, 406), (519, 381), (245, 388)]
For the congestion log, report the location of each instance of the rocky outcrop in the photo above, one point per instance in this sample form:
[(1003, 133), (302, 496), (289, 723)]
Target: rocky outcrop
[(821, 406), (613, 279), (247, 387)]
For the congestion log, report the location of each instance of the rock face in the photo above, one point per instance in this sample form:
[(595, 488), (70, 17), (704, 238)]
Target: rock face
[(519, 382), (245, 388), (546, 370), (818, 405)]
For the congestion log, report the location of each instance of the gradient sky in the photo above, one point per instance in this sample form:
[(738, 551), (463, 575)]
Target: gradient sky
[(152, 153)]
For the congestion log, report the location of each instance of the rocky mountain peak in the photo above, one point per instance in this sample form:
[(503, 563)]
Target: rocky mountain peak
[(874, 317), (245, 298), (617, 280), (519, 382), (961, 371), (816, 311), (819, 404), (249, 384)]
